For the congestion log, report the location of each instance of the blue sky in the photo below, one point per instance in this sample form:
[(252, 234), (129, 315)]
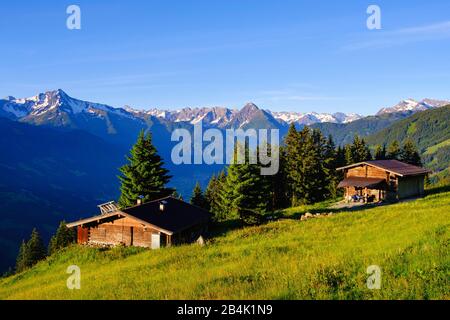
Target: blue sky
[(283, 55)]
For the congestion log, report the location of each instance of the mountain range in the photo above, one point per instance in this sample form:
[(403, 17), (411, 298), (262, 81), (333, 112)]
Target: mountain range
[(59, 109)]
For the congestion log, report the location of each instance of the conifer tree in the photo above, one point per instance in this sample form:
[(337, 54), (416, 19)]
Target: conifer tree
[(311, 171), (409, 154), (348, 154), (177, 195), (340, 162), (380, 152), (63, 237), (246, 191), (198, 199), (214, 196), (393, 151), (330, 156), (340, 157), (278, 183), (30, 252), (319, 175), (358, 151), (35, 249), (22, 258), (291, 152), (211, 192), (144, 175)]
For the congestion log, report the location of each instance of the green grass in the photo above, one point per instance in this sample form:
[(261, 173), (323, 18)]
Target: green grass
[(322, 258), (319, 207)]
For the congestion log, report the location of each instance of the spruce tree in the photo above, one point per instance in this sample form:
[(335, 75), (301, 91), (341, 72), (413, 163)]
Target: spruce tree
[(144, 175), (198, 199), (35, 249), (358, 151), (393, 151), (177, 195), (22, 261), (318, 175), (214, 196), (278, 183), (30, 252), (348, 154), (409, 154), (311, 171), (246, 191), (211, 192), (380, 152), (292, 156), (63, 237), (331, 163), (340, 157)]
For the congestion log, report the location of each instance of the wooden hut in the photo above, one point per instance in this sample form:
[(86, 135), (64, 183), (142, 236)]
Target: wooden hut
[(153, 224), (379, 180)]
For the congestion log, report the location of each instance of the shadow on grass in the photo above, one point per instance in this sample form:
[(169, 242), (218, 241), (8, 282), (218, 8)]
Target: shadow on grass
[(221, 228), (437, 190), (297, 215)]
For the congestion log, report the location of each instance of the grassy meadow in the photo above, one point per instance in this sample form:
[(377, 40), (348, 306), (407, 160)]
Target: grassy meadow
[(322, 258)]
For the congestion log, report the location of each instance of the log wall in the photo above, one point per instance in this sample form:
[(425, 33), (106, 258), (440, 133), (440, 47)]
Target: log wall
[(123, 231)]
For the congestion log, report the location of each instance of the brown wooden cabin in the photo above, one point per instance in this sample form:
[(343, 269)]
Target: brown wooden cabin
[(153, 224), (379, 180)]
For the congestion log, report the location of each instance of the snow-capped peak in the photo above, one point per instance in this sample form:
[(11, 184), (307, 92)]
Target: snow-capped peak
[(411, 105), (57, 103), (314, 117)]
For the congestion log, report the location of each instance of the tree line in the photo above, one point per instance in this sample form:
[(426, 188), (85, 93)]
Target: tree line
[(307, 174), (33, 250)]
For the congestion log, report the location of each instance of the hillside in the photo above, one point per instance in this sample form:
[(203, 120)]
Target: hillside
[(343, 133), (47, 175), (322, 258), (429, 130)]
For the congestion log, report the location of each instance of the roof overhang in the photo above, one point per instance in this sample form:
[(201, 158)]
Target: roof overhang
[(361, 182), (116, 215), (424, 172)]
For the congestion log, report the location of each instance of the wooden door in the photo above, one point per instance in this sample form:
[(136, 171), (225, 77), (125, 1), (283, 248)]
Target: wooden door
[(82, 235), (156, 241)]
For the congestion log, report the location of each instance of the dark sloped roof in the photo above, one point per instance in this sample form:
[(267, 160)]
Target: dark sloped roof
[(176, 216), (361, 182), (394, 166)]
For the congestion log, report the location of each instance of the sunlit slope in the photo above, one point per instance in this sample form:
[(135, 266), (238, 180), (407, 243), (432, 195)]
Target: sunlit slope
[(322, 258)]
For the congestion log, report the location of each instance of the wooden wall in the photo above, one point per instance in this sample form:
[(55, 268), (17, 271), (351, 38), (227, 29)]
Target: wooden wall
[(121, 231), (126, 231), (399, 188), (410, 187), (367, 172)]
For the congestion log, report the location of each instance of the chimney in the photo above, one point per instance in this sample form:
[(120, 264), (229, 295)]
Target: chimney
[(162, 205), (139, 200)]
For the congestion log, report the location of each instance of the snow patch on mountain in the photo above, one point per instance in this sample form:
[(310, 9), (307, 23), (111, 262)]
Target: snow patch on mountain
[(411, 105), (53, 104), (314, 117)]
